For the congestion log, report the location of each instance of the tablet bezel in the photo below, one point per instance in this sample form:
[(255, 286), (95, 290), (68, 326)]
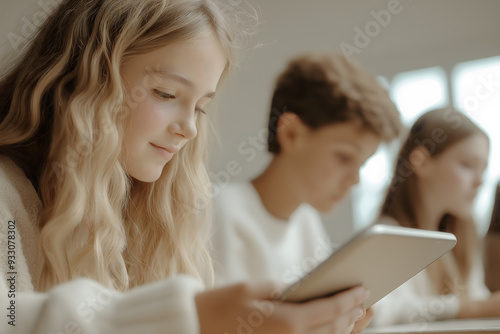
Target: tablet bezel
[(443, 242)]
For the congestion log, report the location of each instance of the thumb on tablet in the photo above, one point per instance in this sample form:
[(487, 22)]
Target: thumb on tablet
[(360, 325)]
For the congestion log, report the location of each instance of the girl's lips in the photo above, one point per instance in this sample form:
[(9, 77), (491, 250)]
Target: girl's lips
[(339, 197), (164, 152)]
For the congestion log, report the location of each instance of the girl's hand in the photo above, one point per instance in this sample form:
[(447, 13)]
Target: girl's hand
[(362, 323), (487, 308), (249, 308)]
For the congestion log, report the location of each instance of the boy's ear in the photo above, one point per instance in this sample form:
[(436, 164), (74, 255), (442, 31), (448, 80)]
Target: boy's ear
[(291, 129), (420, 161)]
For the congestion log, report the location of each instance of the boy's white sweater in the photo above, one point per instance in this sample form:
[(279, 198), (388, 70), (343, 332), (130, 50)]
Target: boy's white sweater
[(251, 244)]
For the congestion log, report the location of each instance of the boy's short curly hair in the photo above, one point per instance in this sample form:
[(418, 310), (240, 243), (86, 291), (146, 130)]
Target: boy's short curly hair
[(327, 89)]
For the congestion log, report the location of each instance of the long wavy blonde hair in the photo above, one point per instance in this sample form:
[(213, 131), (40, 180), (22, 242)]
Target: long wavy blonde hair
[(450, 274), (62, 111)]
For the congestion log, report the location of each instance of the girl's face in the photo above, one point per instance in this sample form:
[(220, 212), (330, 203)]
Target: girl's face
[(166, 91), (455, 175)]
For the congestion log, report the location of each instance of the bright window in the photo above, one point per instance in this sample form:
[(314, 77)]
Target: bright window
[(476, 90), (418, 91), (414, 93)]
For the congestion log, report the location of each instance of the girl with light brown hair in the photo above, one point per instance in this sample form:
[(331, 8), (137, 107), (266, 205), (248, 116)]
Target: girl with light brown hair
[(104, 192), (438, 172), (492, 247)]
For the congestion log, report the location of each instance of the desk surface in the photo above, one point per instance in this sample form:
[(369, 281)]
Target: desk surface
[(483, 326)]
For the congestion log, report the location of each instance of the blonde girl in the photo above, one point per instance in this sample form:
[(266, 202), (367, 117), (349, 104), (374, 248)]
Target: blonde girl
[(104, 198)]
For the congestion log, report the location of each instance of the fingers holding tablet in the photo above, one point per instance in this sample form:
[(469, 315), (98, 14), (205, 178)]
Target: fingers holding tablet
[(255, 309), (362, 323), (335, 314)]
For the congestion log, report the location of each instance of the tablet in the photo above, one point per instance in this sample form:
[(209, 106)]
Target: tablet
[(380, 257)]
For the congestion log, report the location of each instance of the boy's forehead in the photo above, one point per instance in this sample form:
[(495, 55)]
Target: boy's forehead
[(349, 132), (348, 143), (349, 135)]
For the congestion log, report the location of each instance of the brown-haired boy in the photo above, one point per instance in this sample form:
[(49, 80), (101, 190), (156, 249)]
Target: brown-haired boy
[(328, 116)]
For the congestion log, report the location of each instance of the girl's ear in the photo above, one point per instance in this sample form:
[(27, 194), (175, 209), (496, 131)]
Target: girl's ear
[(291, 132), (420, 160)]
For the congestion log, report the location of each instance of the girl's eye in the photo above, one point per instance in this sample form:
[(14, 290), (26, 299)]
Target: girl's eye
[(167, 96), (467, 165), (163, 95), (200, 109), (343, 157)]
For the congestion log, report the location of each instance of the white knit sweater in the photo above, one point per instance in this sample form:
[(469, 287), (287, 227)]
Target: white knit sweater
[(82, 305)]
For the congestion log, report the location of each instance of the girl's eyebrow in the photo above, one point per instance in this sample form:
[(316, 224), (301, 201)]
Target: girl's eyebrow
[(178, 78)]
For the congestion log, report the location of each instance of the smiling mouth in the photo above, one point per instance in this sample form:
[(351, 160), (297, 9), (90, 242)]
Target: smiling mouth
[(167, 153)]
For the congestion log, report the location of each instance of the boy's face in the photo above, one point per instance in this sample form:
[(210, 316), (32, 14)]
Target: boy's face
[(327, 161)]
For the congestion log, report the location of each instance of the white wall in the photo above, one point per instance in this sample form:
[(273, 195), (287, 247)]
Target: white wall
[(425, 33)]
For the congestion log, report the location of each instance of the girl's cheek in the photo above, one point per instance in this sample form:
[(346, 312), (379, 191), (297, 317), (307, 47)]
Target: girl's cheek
[(330, 169), (465, 177), (155, 112)]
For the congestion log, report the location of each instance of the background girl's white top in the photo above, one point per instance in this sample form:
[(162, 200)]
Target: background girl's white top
[(417, 302)]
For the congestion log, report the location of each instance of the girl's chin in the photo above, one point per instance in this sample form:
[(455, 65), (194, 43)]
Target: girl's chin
[(465, 212), (148, 176)]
